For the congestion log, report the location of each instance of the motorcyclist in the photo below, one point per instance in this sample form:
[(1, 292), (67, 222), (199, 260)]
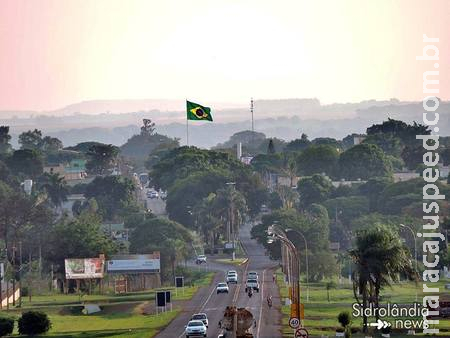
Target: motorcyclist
[(269, 301), (250, 292)]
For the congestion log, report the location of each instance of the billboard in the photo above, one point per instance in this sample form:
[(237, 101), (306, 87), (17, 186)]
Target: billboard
[(84, 268), (134, 263)]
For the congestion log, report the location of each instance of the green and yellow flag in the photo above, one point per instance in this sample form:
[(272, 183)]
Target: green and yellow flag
[(197, 112)]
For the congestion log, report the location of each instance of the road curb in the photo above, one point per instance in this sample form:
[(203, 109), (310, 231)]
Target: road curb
[(243, 262)]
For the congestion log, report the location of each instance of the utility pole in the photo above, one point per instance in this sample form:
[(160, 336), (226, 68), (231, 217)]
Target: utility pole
[(231, 232), (20, 273), (275, 233), (251, 110), (415, 250), (306, 256)]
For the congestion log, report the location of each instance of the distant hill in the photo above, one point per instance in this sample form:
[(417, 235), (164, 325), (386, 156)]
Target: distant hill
[(285, 119)]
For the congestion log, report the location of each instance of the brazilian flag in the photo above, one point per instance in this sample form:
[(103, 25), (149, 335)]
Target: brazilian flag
[(197, 112)]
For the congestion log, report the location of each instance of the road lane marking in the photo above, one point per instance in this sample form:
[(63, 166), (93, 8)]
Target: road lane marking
[(238, 288), (262, 304), (203, 305)]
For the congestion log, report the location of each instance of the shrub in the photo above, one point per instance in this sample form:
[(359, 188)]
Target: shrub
[(344, 318), (386, 330), (34, 322), (6, 326)]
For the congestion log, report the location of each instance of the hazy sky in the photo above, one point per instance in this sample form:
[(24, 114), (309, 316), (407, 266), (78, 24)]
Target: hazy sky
[(54, 53)]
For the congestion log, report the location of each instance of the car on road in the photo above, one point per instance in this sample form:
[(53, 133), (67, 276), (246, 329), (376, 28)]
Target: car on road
[(195, 328), (252, 284), (252, 275), (232, 277), (200, 259), (222, 288), (152, 194), (201, 316)]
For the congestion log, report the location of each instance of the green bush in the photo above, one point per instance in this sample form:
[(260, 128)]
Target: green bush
[(34, 322), (344, 319), (6, 326)]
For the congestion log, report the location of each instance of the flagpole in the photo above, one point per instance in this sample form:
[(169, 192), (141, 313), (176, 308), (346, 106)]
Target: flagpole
[(187, 131)]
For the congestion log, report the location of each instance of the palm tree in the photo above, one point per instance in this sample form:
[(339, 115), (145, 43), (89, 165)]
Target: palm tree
[(206, 220), (288, 196), (290, 169), (55, 187), (230, 206), (379, 257)]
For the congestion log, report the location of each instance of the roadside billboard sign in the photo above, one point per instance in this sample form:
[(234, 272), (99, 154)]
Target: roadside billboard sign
[(150, 263), (84, 268)]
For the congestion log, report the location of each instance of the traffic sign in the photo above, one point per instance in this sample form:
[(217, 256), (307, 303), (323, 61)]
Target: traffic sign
[(301, 333), (294, 322)]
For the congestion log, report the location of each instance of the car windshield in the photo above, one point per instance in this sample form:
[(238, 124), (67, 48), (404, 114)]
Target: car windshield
[(252, 281), (196, 323), (221, 284), (199, 317)]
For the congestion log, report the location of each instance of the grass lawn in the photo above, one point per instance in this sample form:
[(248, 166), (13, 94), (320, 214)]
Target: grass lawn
[(122, 315), (236, 261), (321, 315)]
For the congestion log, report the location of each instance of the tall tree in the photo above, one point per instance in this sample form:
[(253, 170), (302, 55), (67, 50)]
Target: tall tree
[(50, 145), (364, 161), (298, 144), (101, 158), (55, 187), (26, 162), (80, 237), (230, 206), (31, 139), (5, 138), (114, 195), (271, 147), (318, 159), (379, 257), (314, 189), (160, 234)]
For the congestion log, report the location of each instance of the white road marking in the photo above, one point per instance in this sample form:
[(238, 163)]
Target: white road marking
[(262, 305), (201, 308)]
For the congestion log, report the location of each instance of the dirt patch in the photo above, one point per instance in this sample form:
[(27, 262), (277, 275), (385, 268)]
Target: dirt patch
[(106, 309)]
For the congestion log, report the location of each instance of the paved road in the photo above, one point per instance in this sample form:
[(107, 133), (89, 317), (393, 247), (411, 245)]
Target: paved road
[(156, 205), (206, 300)]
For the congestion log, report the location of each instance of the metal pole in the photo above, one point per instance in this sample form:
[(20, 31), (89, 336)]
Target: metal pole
[(281, 235), (415, 250), (20, 274), (307, 262), (187, 131)]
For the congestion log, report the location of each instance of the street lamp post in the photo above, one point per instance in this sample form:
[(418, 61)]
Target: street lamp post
[(276, 233), (306, 254), (230, 221), (415, 248)]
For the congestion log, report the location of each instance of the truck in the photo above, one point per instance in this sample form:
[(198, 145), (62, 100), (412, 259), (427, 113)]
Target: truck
[(244, 322)]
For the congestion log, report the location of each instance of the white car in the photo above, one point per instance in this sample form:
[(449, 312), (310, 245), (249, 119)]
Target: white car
[(222, 288), (200, 259), (252, 284), (201, 316), (195, 328), (252, 275), (232, 277), (152, 194)]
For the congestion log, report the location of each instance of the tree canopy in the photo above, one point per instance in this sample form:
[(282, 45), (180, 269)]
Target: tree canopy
[(364, 161)]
